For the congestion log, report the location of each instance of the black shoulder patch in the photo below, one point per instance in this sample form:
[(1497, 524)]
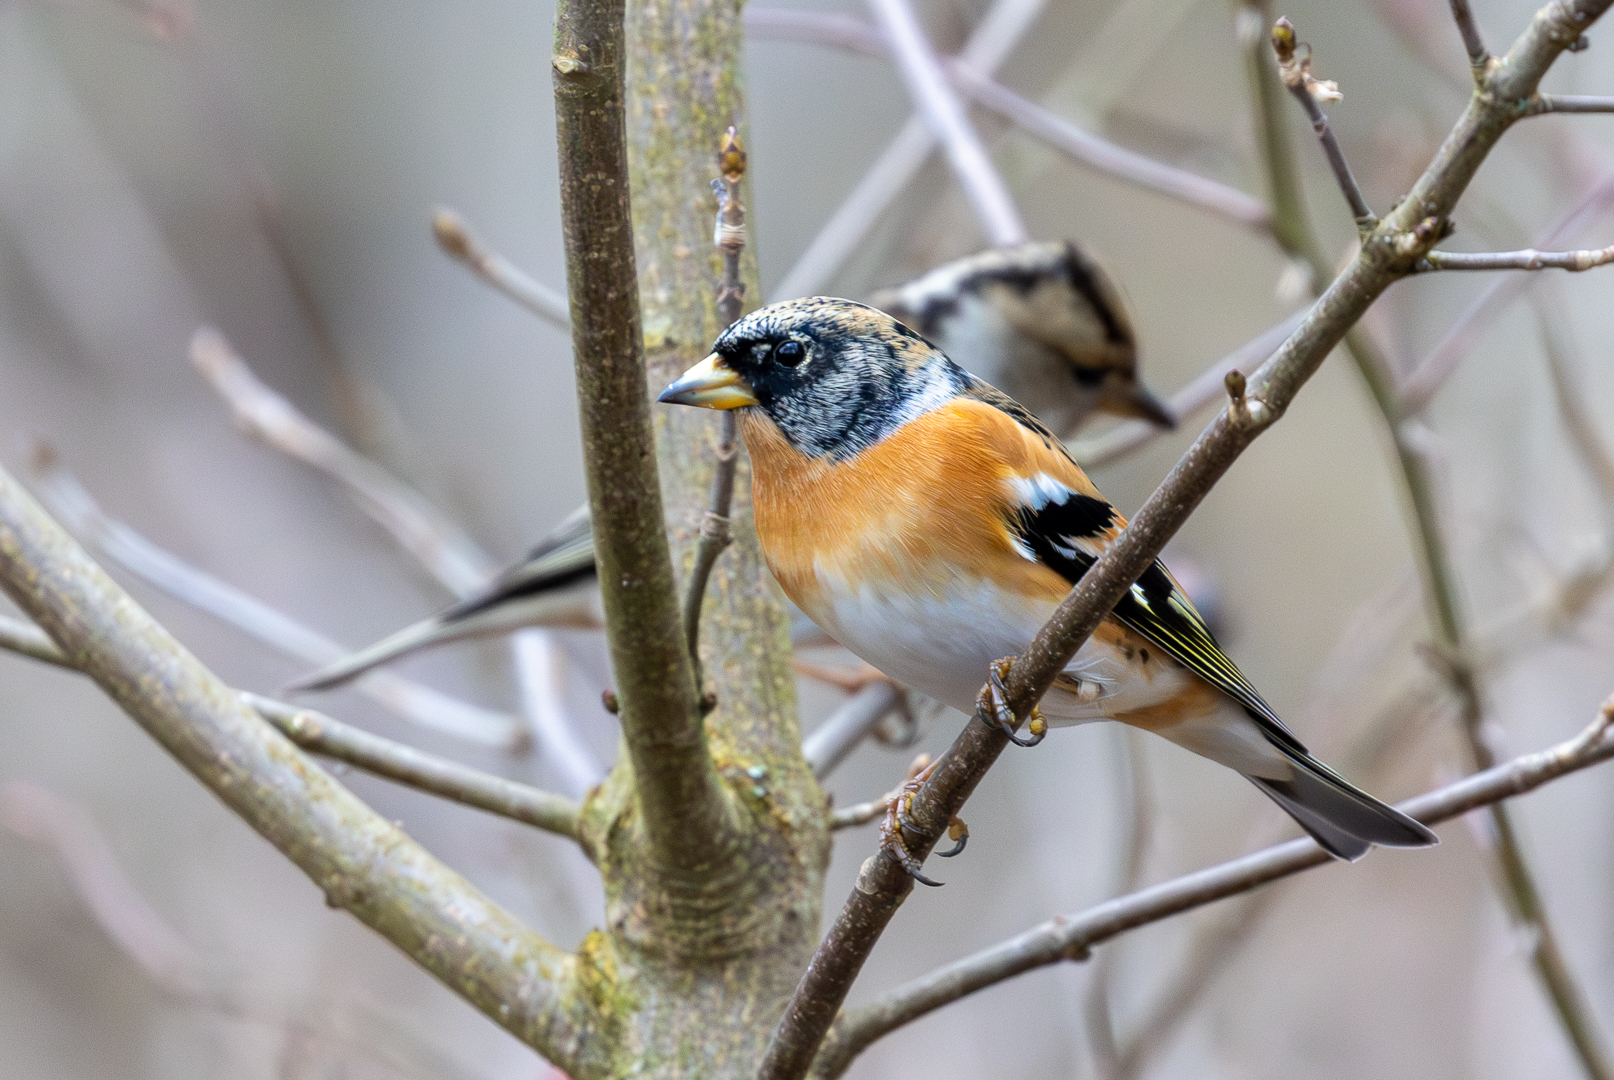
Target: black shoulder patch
[(991, 395)]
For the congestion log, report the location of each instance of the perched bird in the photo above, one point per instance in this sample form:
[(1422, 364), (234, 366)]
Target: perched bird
[(555, 585), (931, 525), (1041, 321), (997, 311)]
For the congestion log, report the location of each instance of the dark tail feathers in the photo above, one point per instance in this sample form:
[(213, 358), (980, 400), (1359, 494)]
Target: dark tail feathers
[(1342, 818)]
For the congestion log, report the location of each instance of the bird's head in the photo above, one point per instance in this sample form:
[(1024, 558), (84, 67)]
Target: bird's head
[(835, 376)]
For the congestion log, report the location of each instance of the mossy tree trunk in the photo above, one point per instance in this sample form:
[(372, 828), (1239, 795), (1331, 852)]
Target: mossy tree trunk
[(694, 968)]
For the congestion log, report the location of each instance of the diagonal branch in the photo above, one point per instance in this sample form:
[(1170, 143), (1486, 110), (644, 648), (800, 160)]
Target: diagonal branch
[(1072, 937), (375, 755), (356, 858), (686, 810), (1388, 253), (927, 86), (458, 241)]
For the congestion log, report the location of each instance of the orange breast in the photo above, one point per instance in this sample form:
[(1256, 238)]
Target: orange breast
[(927, 501)]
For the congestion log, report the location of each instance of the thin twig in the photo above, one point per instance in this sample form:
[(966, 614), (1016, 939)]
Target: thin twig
[(1072, 937), (715, 534), (420, 528), (916, 61), (988, 47), (378, 756), (1294, 64), (1571, 103), (1418, 389), (846, 32), (1404, 235), (688, 814), (860, 813), (457, 239), (360, 861), (835, 738), (421, 705), (1478, 57), (1207, 388), (1528, 259), (1578, 422), (405, 765)]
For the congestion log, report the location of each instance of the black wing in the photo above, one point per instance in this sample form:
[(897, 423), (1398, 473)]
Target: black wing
[(1066, 534)]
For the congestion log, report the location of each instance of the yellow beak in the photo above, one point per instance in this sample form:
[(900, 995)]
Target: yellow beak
[(710, 384)]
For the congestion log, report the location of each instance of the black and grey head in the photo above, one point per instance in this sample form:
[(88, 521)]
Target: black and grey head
[(834, 375)]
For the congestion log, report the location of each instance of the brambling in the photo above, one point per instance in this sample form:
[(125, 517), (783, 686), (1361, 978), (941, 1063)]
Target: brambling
[(931, 525), (555, 585), (1043, 321), (1046, 292)]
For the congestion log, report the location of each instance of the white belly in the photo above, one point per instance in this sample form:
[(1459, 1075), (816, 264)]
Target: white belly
[(941, 643)]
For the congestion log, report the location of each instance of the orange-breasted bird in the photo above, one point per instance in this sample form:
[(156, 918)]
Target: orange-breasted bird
[(931, 525)]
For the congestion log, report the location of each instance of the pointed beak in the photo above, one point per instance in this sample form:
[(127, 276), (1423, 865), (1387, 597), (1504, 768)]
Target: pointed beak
[(710, 384), (1134, 400)]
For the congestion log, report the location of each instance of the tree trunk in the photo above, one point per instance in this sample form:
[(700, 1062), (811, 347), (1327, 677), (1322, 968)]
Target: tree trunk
[(694, 976)]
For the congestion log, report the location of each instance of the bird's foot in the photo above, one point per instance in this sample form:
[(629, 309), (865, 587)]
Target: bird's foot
[(898, 823), (993, 706)]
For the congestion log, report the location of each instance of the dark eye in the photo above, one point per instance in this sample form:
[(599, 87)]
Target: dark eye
[(790, 353)]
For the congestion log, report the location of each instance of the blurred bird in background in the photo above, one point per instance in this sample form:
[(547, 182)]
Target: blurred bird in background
[(1042, 321), (931, 525)]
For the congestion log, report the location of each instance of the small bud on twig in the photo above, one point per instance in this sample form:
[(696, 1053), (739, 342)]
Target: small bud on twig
[(1235, 385)]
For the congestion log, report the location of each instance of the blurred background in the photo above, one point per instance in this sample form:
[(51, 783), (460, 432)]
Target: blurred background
[(270, 170)]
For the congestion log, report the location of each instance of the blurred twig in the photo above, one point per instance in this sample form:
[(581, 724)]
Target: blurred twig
[(419, 704), (840, 734), (844, 31), (456, 238), (1208, 388), (1071, 937), (421, 529), (1528, 259), (988, 47), (381, 757), (983, 188)]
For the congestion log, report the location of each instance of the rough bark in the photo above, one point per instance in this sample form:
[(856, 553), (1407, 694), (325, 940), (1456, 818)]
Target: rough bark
[(700, 965)]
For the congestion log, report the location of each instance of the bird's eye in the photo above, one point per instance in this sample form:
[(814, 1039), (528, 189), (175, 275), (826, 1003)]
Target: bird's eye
[(790, 353)]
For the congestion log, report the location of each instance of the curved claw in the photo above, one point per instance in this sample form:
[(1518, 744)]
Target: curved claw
[(994, 703), (959, 833), (956, 849)]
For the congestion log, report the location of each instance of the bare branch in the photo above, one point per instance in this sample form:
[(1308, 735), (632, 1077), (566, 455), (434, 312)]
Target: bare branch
[(1418, 389), (1294, 64), (1571, 103), (1578, 422), (844, 31), (1387, 254), (405, 765), (927, 86), (1072, 937), (440, 545), (117, 541), (360, 861), (1206, 389), (1478, 57), (715, 535), (1528, 259), (457, 239), (840, 734), (381, 757), (989, 45), (686, 810), (860, 813)]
